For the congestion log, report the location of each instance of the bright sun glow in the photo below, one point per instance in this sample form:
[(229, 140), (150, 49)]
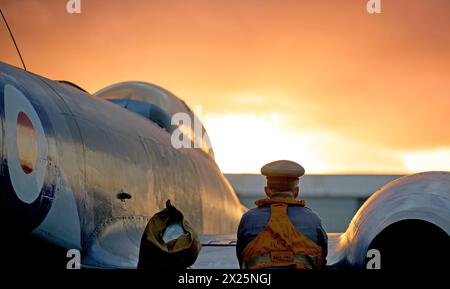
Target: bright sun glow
[(244, 142), (427, 160)]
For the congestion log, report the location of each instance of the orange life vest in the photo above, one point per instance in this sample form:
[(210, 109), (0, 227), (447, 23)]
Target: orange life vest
[(280, 244)]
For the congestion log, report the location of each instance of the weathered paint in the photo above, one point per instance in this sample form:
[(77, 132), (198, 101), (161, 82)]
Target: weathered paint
[(94, 151)]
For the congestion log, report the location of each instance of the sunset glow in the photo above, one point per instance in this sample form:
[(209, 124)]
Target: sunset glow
[(319, 82)]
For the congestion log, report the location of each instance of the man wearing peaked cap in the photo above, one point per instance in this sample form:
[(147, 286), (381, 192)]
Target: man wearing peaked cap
[(281, 232), (282, 175)]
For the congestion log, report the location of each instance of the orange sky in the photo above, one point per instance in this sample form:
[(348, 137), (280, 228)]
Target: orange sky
[(319, 82)]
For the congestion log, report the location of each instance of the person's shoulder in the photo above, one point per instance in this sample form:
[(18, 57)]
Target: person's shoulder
[(309, 213), (254, 217), (254, 212)]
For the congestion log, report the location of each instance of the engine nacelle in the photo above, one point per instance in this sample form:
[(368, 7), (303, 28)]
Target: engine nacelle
[(407, 220)]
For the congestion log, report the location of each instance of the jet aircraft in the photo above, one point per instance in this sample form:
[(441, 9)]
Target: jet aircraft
[(87, 171)]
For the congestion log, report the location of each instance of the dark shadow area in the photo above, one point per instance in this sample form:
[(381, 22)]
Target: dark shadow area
[(413, 245), (30, 253)]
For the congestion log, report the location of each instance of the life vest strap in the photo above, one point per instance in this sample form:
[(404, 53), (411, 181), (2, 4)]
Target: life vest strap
[(297, 260), (286, 201)]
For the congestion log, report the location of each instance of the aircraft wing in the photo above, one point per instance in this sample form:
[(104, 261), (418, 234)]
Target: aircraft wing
[(218, 252), (118, 247)]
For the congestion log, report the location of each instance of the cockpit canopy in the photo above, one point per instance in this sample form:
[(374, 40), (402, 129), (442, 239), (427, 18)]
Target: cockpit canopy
[(156, 104)]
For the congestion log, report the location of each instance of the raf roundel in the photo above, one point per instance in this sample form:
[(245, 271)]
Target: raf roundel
[(26, 145)]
